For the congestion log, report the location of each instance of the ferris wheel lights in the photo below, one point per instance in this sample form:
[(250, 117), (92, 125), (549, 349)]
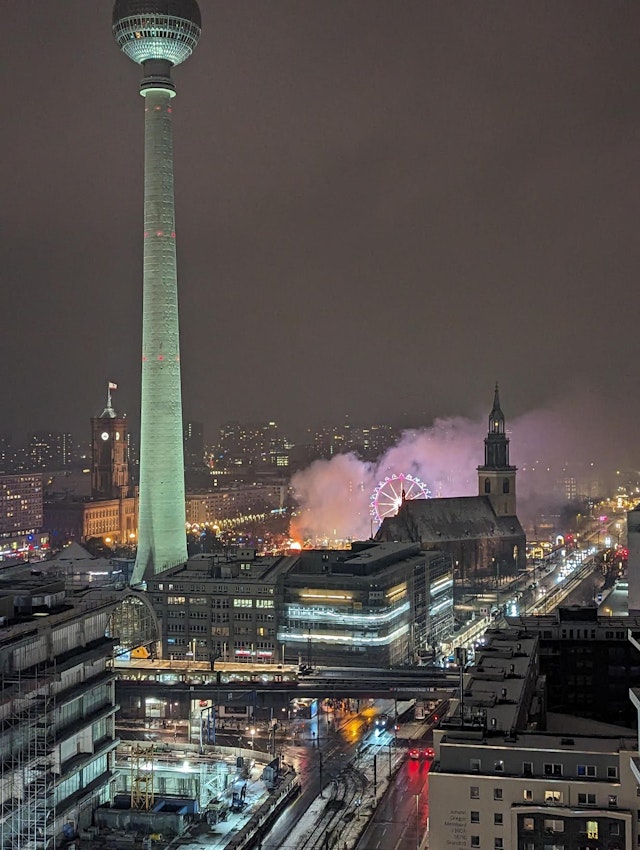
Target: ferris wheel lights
[(388, 496)]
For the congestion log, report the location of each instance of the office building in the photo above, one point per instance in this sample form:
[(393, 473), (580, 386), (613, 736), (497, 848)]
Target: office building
[(376, 604)]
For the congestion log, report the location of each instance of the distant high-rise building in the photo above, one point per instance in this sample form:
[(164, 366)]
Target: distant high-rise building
[(159, 34), (21, 515), (259, 445), (49, 450), (6, 460), (193, 434)]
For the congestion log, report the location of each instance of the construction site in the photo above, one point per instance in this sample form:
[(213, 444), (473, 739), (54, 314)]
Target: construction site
[(57, 710), (66, 780)]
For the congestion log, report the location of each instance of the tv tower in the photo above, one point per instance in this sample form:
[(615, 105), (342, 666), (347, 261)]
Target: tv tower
[(158, 34)]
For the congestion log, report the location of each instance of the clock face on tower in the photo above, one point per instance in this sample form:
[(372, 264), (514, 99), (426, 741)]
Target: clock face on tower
[(104, 435)]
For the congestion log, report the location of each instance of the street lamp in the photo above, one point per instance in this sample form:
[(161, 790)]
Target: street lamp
[(417, 821)]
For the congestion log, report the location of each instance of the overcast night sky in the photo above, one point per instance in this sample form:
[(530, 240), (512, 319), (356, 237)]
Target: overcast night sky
[(382, 208)]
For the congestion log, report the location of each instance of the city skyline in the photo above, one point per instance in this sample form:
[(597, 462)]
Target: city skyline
[(384, 212)]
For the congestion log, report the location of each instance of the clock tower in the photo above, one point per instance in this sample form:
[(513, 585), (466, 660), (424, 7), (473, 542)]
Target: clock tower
[(497, 478), (109, 444)]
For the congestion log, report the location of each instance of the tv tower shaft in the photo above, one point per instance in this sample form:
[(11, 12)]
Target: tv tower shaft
[(161, 523)]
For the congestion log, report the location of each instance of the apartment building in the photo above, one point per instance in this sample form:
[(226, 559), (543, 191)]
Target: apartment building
[(510, 776)]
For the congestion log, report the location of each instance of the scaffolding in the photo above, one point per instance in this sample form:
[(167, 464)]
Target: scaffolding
[(142, 791), (27, 742)]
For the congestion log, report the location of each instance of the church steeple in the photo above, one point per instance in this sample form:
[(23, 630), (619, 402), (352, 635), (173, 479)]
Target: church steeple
[(496, 417), (496, 445), (497, 478)]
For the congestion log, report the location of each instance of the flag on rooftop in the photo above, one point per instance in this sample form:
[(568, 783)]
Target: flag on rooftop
[(112, 386)]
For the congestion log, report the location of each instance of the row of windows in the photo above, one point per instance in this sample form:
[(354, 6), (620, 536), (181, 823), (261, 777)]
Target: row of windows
[(181, 628), (550, 824), (221, 603), (223, 631), (588, 633), (498, 842), (249, 603), (590, 828), (548, 769), (195, 588), (224, 617)]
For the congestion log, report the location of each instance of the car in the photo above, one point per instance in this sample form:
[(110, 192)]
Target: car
[(381, 722), (422, 753)]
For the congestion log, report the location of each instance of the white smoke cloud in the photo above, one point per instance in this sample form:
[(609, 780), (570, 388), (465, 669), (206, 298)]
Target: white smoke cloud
[(334, 495)]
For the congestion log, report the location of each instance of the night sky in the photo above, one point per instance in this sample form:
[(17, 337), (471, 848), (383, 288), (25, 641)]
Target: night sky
[(382, 208)]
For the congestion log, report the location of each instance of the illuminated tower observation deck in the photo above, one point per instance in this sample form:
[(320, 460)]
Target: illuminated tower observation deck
[(158, 34)]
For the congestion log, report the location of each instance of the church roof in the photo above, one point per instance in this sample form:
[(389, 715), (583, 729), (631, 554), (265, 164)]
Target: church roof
[(441, 520)]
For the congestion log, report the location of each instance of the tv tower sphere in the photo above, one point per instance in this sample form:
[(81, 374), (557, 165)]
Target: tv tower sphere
[(157, 29)]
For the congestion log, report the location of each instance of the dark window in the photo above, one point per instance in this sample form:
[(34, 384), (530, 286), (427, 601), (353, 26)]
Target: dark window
[(505, 485), (487, 485)]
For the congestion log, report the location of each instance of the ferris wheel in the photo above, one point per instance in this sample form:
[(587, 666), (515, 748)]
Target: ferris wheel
[(390, 492)]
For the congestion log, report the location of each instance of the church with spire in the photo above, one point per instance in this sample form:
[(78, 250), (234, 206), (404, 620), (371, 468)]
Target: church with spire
[(482, 533)]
